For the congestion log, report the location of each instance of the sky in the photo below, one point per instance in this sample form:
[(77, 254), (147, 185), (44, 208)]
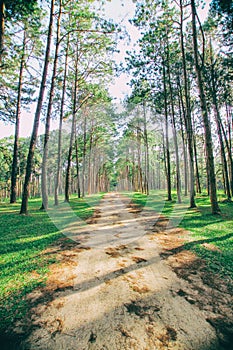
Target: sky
[(120, 11)]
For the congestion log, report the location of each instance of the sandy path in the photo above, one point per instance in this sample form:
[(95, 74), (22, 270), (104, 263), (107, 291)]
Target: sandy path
[(123, 297)]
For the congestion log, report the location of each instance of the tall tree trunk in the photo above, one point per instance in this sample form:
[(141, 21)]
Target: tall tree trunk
[(168, 160), (24, 205), (89, 176), (77, 166), (188, 116), (229, 152), (133, 171), (178, 181), (217, 120), (13, 194), (205, 117), (44, 189), (229, 149), (229, 123), (146, 186), (57, 178), (184, 151), (140, 184), (164, 153), (2, 29), (73, 128), (84, 153), (69, 159), (198, 183), (94, 170)]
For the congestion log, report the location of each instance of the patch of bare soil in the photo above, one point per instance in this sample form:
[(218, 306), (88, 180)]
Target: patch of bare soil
[(140, 290)]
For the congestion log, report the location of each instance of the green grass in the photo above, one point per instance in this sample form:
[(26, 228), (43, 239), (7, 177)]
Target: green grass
[(22, 241), (204, 227)]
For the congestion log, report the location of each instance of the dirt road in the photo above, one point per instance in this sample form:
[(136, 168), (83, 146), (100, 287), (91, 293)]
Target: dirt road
[(114, 292)]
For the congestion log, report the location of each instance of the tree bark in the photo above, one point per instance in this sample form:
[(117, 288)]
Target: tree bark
[(188, 116), (57, 178), (139, 172), (77, 166), (84, 153), (73, 127), (230, 158), (178, 181), (184, 149), (205, 117), (198, 183), (44, 189), (217, 120), (229, 142), (68, 168), (167, 151), (89, 176), (14, 170), (146, 178), (24, 205), (2, 29)]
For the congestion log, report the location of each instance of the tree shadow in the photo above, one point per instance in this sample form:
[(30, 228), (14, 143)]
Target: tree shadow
[(144, 307), (190, 245)]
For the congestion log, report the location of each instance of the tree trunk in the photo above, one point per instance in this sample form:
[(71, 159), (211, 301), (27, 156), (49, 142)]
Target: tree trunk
[(2, 29), (57, 179), (217, 120), (89, 177), (24, 205), (188, 116), (198, 183), (219, 130), (178, 182), (140, 184), (84, 153), (146, 181), (44, 189), (77, 167), (228, 145), (168, 161), (73, 128), (68, 169), (13, 194), (205, 118), (184, 151)]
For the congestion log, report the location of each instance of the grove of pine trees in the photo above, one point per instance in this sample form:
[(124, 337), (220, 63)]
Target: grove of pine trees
[(173, 132)]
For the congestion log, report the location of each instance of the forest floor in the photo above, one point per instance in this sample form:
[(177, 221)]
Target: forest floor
[(127, 282)]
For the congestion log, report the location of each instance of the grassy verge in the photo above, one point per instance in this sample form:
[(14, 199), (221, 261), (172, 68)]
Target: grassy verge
[(205, 228), (22, 262)]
